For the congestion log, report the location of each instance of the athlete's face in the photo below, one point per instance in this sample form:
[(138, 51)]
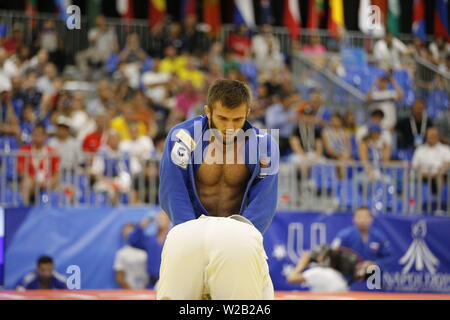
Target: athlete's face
[(45, 270), (227, 121)]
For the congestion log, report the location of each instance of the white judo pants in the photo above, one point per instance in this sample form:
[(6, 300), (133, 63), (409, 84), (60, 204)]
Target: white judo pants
[(216, 257)]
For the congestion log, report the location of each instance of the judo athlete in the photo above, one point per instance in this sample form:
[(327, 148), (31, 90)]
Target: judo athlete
[(218, 184)]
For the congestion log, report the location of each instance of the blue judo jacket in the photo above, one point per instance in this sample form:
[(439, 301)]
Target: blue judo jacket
[(182, 156)]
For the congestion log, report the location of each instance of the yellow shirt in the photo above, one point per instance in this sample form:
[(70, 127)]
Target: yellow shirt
[(172, 65), (195, 76), (119, 124)]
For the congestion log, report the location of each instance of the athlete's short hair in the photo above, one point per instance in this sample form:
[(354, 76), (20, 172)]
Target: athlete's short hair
[(230, 93)]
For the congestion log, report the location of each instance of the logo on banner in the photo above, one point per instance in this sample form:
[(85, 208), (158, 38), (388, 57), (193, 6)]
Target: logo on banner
[(418, 253)]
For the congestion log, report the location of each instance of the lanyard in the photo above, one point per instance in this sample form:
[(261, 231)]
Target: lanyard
[(422, 125), (307, 136)]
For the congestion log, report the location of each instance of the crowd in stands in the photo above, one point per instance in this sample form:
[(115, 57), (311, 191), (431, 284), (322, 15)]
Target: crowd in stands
[(142, 92)]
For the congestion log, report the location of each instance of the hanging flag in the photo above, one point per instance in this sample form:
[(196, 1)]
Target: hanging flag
[(393, 20), (265, 7), (291, 18), (62, 5), (363, 13), (418, 25), (188, 8), (125, 9), (94, 8), (212, 16), (156, 12), (382, 4), (315, 13), (441, 19), (244, 13), (336, 16)]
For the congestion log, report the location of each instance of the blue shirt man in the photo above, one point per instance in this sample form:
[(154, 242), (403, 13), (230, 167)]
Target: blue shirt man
[(366, 240), (44, 277)]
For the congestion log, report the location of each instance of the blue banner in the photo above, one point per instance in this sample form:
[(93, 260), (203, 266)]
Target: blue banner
[(90, 238)]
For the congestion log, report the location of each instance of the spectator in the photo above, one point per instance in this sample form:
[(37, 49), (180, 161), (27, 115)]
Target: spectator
[(152, 244), (94, 140), (103, 100), (8, 121), (67, 147), (336, 142), (240, 41), (411, 131), (439, 49), (382, 97), (48, 37), (432, 159), (44, 83), (282, 116), (38, 166), (156, 83), (313, 110), (27, 122), (101, 41), (375, 118), (350, 122), (111, 169), (187, 99), (366, 240), (314, 47), (44, 277), (80, 121), (122, 123), (139, 148), (130, 264), (171, 63), (266, 47), (13, 43), (132, 52), (190, 73), (442, 124), (194, 40), (373, 152), (389, 51)]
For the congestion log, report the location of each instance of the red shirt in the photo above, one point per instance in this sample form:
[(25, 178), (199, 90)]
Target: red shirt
[(239, 44), (92, 142), (47, 164)]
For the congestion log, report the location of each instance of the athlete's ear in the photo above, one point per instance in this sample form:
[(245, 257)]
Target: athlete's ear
[(248, 111), (207, 110)]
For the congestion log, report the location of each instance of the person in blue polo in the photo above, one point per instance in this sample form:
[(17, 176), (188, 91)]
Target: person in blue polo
[(370, 243), (44, 277)]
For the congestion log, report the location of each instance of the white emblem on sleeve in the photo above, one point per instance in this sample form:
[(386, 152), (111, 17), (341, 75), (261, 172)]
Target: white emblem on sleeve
[(180, 155)]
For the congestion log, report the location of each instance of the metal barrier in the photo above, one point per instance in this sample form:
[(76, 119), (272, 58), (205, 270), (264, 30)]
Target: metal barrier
[(395, 189)]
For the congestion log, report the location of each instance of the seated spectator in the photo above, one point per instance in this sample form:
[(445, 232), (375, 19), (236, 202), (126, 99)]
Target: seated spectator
[(101, 39), (103, 98), (190, 73), (282, 116), (171, 63), (384, 98), (411, 131), (432, 159), (121, 123), (38, 166), (239, 41), (15, 41), (194, 40), (152, 244), (48, 37), (442, 124), (139, 148), (130, 264), (373, 152), (111, 169), (69, 152), (440, 49), (156, 83), (43, 278), (187, 99), (80, 122), (44, 83), (376, 117), (94, 140), (314, 109), (350, 122), (132, 52), (27, 122), (336, 142), (9, 124), (389, 52), (314, 47)]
